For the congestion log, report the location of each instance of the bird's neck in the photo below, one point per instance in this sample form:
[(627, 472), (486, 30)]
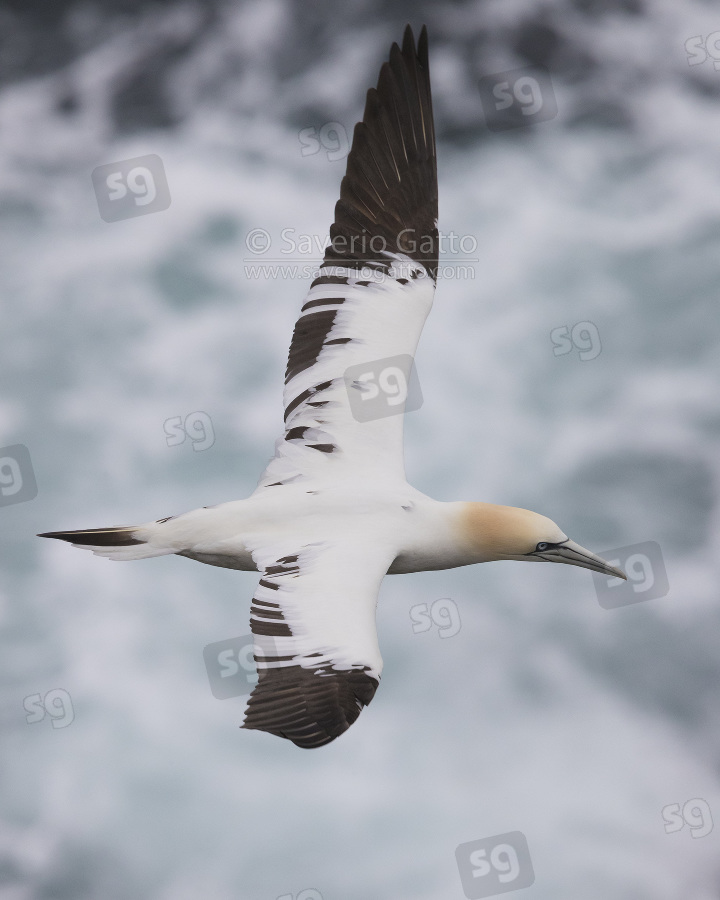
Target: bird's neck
[(488, 531)]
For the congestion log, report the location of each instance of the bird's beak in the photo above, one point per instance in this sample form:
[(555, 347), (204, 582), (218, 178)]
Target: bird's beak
[(574, 555)]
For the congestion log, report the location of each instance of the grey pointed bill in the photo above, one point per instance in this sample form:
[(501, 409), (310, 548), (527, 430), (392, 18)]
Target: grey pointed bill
[(574, 555)]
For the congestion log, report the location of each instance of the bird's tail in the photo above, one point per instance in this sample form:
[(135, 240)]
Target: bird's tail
[(124, 542)]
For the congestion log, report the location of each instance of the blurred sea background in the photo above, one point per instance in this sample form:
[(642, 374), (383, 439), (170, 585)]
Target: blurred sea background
[(546, 713)]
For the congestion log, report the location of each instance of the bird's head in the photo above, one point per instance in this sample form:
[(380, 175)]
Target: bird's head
[(507, 532)]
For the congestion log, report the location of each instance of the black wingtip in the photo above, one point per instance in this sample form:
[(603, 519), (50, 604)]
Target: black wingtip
[(309, 707), (422, 47), (390, 186), (409, 47)]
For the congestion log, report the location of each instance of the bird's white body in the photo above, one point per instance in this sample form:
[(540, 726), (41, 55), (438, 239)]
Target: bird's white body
[(417, 533)]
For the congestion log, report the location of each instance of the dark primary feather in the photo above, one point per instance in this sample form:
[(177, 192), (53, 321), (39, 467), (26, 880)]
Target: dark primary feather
[(309, 707)]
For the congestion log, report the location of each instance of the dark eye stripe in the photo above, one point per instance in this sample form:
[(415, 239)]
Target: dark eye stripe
[(544, 546)]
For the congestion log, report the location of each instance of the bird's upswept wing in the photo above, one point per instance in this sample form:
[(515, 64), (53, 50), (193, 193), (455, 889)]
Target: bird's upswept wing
[(360, 324), (315, 642)]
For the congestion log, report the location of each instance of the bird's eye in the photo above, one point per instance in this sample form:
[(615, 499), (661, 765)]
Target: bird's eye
[(542, 546)]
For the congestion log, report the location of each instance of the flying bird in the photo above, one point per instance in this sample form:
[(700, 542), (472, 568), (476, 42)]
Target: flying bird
[(333, 512)]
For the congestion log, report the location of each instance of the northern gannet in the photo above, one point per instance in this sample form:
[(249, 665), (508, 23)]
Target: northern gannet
[(333, 512)]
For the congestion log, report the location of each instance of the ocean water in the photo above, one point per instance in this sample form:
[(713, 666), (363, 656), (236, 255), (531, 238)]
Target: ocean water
[(545, 713)]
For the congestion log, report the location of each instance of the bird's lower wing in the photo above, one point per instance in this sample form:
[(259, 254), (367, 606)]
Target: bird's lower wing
[(315, 642)]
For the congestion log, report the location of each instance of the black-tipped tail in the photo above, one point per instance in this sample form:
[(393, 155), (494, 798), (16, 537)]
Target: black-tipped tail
[(98, 537)]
